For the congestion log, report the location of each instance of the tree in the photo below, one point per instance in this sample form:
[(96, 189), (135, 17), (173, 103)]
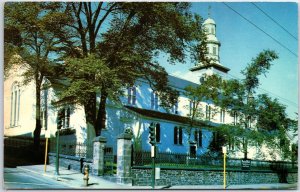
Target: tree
[(34, 27), (271, 117), (208, 91), (127, 38), (237, 97)]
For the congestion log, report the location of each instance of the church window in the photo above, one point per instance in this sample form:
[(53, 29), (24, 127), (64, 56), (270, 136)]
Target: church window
[(175, 108), (212, 30), (207, 112), (235, 116), (198, 137), (178, 135), (15, 105), (192, 105), (231, 143), (131, 95), (63, 118), (222, 116), (154, 100), (249, 121), (215, 50)]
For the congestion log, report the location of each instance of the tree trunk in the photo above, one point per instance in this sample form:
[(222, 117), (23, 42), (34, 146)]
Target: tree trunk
[(101, 116), (37, 131), (90, 112)]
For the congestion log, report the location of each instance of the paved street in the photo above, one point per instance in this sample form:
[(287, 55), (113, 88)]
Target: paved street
[(20, 179)]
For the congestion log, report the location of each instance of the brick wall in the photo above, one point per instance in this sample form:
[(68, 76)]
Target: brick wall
[(142, 177)]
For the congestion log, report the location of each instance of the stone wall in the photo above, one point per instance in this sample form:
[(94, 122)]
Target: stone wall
[(142, 177), (70, 162)]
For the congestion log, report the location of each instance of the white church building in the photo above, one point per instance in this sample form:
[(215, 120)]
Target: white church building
[(140, 107)]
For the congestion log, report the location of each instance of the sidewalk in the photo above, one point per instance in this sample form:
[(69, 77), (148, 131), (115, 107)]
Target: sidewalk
[(74, 179)]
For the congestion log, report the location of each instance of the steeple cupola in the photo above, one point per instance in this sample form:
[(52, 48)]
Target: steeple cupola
[(213, 50), (213, 45)]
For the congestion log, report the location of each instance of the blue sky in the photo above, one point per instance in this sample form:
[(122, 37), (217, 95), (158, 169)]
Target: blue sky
[(241, 41)]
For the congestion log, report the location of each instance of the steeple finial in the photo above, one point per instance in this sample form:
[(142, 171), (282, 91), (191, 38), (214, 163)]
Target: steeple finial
[(209, 11)]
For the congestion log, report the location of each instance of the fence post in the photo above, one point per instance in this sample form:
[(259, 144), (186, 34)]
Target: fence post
[(98, 155), (124, 159)]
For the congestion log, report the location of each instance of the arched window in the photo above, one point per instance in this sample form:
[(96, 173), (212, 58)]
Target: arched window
[(214, 50), (15, 105), (198, 137), (178, 135), (175, 108), (63, 118), (154, 100), (208, 112), (131, 95), (222, 116), (235, 118), (192, 106)]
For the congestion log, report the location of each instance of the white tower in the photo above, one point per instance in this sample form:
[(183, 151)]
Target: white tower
[(213, 48)]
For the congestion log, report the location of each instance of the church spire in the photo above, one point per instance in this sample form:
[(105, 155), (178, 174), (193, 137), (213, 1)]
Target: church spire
[(209, 11), (213, 50)]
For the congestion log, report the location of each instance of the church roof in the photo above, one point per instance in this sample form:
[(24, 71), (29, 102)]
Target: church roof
[(217, 66), (169, 117), (180, 83)]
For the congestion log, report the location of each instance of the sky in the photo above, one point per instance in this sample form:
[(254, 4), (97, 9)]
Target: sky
[(241, 41)]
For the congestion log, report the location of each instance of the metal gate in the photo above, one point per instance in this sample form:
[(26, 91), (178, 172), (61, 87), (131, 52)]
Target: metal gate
[(109, 161)]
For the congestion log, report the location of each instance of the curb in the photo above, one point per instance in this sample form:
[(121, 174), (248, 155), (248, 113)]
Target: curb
[(57, 178)]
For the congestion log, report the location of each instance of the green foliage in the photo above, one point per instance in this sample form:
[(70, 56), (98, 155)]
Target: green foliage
[(235, 96), (127, 36), (271, 114), (34, 28), (78, 70), (218, 141), (259, 65), (208, 91)]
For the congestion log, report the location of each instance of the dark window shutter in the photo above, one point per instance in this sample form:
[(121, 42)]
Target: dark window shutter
[(180, 135), (133, 95), (129, 94), (158, 132), (152, 100), (196, 136), (175, 135), (200, 138)]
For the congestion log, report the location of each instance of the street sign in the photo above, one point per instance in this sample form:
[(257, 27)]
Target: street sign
[(224, 150), (152, 151), (157, 172), (246, 164)]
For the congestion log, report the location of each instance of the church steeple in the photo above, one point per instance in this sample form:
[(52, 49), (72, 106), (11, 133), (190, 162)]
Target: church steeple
[(213, 44), (213, 49)]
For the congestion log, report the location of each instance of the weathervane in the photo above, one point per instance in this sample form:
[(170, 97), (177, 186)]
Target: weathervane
[(209, 10)]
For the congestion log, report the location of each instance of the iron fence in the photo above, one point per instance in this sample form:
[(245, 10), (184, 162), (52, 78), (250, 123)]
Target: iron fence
[(84, 150), (178, 160)]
